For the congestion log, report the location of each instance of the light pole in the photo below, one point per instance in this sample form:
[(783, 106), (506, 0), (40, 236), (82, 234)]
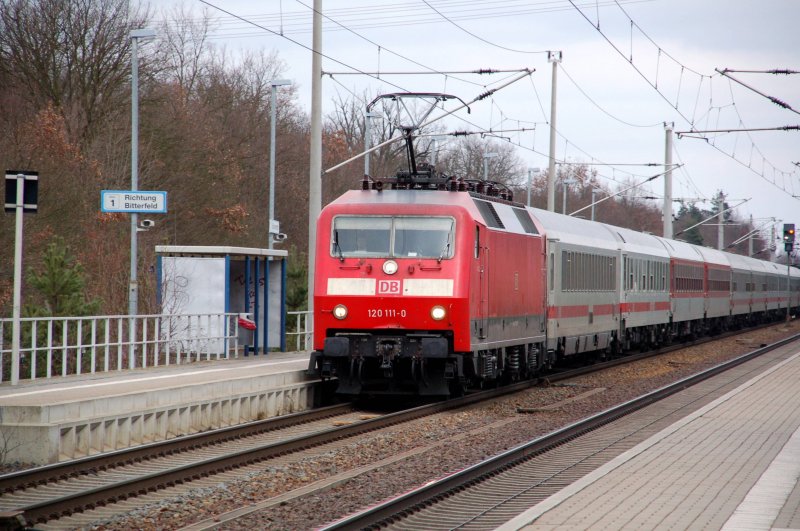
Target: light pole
[(274, 84), (555, 58), (530, 171), (315, 151), (667, 208), (486, 157), (368, 137), (133, 290), (565, 187)]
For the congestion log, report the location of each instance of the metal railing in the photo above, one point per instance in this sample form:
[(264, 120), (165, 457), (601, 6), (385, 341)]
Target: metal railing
[(62, 346), (302, 329)]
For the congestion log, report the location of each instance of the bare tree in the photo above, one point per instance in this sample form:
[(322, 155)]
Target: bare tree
[(466, 159), (71, 54), (183, 55), (348, 123)]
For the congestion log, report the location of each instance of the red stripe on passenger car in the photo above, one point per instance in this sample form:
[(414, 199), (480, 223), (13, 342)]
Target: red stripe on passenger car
[(603, 309), (573, 311)]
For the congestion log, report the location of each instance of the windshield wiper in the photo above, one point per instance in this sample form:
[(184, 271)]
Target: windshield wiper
[(336, 245), (446, 249)]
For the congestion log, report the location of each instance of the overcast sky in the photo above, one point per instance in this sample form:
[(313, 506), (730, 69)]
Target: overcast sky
[(650, 62)]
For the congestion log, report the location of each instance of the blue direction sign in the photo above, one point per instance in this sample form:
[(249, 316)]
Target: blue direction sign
[(137, 201)]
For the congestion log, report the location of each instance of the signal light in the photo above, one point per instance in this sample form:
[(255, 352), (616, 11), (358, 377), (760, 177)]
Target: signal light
[(788, 232)]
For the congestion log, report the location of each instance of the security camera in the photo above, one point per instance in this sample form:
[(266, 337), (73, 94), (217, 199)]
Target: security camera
[(280, 237), (147, 223)]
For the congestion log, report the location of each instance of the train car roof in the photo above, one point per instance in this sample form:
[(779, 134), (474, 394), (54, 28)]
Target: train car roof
[(403, 197), (567, 229), (748, 263), (681, 250), (772, 267), (756, 265), (576, 231), (713, 256), (637, 242), (742, 262)]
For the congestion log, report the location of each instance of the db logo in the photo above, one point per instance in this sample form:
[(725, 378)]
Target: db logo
[(388, 287)]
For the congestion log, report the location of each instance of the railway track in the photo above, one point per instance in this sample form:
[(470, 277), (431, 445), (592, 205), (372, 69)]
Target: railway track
[(492, 492), (51, 492)]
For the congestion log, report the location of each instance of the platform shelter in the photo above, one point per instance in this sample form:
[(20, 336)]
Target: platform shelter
[(248, 281)]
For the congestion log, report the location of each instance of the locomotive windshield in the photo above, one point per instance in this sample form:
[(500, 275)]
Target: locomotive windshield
[(396, 237)]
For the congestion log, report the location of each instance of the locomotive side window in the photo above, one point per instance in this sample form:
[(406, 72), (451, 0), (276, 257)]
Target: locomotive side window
[(400, 237)]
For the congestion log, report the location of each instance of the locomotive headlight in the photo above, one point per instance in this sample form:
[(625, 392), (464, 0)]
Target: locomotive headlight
[(438, 313), (390, 267), (340, 311)]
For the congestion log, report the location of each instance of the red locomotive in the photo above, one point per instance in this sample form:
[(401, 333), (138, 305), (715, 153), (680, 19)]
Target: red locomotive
[(431, 288), (410, 283), (428, 285)]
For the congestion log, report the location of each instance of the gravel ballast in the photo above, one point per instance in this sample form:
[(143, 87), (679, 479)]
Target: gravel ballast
[(363, 471)]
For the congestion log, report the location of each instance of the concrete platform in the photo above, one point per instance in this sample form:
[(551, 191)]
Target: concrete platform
[(46, 421), (733, 464)]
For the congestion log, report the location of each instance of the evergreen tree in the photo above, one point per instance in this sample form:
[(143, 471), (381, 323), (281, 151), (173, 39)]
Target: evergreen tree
[(296, 281), (60, 285), (688, 216)]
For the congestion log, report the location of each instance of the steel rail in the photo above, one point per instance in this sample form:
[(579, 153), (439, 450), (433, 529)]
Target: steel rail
[(397, 508), (89, 465), (68, 504), (131, 487)]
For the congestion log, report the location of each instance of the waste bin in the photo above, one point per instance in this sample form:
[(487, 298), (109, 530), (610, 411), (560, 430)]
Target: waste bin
[(247, 330)]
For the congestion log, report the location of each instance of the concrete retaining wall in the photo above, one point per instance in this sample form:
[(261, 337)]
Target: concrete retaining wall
[(47, 434)]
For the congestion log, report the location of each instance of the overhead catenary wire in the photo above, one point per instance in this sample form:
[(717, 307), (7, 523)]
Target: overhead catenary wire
[(599, 107), (376, 44), (631, 63), (478, 36), (480, 71), (764, 172), (704, 131), (494, 134), (308, 48), (620, 192), (339, 62), (386, 14), (304, 46), (776, 101), (684, 68), (429, 122), (716, 214), (481, 131)]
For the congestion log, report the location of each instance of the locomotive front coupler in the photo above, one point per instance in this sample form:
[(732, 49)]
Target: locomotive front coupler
[(387, 350)]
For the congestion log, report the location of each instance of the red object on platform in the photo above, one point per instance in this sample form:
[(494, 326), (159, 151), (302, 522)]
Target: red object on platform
[(247, 324)]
